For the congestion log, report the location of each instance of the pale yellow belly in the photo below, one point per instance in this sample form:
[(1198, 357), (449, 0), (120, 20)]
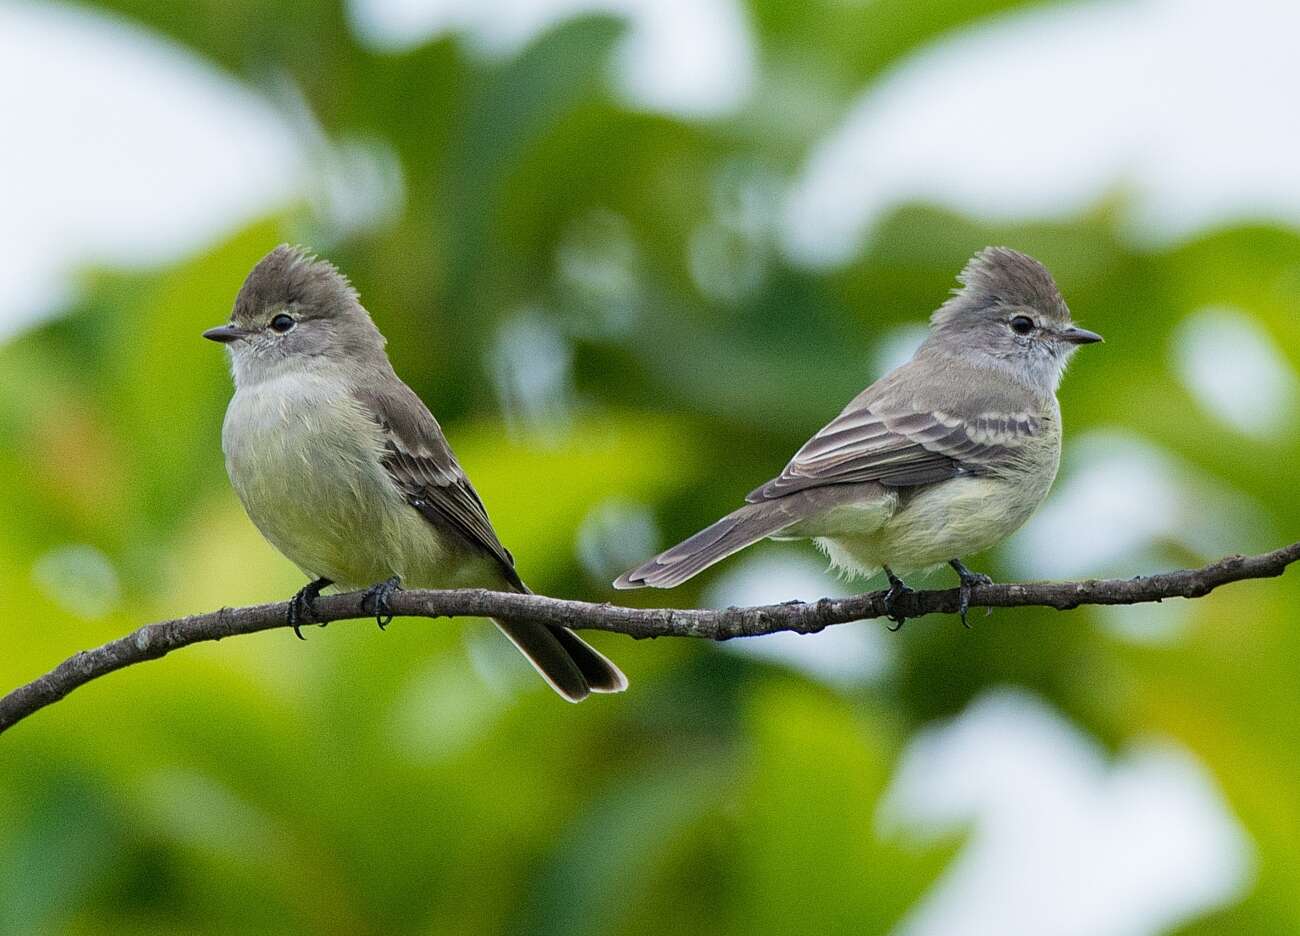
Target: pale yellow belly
[(935, 524), (305, 462)]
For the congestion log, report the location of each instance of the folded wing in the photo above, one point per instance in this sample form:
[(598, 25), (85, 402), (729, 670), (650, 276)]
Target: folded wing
[(901, 449), (422, 466), (876, 439)]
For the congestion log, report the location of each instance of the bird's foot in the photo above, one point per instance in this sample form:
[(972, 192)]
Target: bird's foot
[(896, 590), (375, 600), (302, 606), (969, 580)]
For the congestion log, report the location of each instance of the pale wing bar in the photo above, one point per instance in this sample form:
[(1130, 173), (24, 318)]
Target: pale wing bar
[(900, 450)]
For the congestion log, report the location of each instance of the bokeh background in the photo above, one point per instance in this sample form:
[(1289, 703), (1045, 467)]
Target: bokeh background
[(632, 252)]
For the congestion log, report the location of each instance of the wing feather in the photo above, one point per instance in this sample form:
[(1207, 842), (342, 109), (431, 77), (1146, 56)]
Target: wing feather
[(422, 465), (866, 443)]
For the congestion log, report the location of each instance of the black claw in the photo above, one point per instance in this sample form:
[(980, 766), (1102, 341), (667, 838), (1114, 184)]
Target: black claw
[(969, 579), (375, 600), (302, 606), (896, 590)]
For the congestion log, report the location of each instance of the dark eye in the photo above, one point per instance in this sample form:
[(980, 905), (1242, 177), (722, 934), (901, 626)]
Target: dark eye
[(282, 323), (1021, 324)]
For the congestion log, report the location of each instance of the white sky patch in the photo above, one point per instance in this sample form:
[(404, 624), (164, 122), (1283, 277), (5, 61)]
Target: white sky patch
[(598, 260), (614, 536), (1152, 623), (1236, 373), (122, 149), (1062, 842), (352, 184), (897, 346), (531, 361), (1119, 501), (843, 656), (691, 58), (1040, 114), (79, 579)]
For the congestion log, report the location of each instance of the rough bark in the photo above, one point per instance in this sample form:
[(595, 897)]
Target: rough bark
[(156, 640)]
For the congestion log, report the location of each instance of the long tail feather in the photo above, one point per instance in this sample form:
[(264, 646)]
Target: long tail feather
[(568, 664), (688, 558), (601, 673)]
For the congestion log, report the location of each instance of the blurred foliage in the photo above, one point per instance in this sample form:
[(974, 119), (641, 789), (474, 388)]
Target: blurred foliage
[(423, 780)]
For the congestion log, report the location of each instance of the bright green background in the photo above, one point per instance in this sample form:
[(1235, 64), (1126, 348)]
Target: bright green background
[(362, 783)]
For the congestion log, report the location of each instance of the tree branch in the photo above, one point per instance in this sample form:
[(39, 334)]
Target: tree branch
[(156, 640)]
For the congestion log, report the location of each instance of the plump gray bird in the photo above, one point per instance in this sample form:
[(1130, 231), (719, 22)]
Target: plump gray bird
[(342, 467), (943, 457)]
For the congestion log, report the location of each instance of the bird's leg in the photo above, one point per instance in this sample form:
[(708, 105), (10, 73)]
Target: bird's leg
[(302, 606), (375, 600), (896, 590), (968, 580)]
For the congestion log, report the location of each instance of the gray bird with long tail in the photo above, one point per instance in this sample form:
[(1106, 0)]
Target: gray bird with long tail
[(941, 458), (346, 472)]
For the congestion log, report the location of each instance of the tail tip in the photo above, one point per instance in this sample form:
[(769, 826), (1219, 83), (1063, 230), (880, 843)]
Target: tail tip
[(568, 695), (617, 683), (626, 581)]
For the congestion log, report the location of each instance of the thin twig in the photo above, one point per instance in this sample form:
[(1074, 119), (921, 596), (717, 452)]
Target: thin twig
[(156, 640)]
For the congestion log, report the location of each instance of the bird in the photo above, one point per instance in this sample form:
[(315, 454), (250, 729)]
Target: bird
[(943, 457), (342, 467)]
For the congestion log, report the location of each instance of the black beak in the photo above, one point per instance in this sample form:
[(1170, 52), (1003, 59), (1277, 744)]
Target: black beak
[(225, 333), (1075, 335)]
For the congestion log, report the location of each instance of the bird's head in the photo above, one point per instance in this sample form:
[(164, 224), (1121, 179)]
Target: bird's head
[(1009, 314), (296, 310)]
